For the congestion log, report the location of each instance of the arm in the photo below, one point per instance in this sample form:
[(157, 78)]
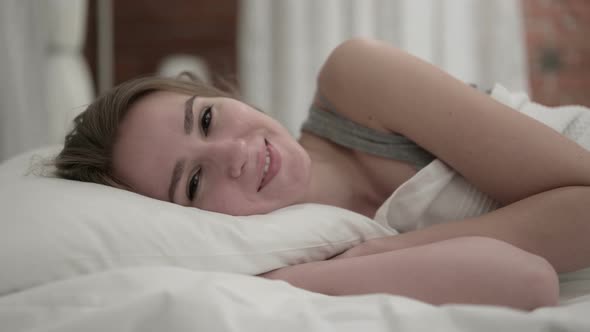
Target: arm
[(554, 225), (502, 152), (513, 158), (463, 270)]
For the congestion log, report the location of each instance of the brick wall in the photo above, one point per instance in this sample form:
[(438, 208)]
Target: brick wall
[(557, 36), (558, 43), (146, 31)]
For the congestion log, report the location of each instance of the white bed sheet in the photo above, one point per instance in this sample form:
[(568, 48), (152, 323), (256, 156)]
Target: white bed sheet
[(174, 299)]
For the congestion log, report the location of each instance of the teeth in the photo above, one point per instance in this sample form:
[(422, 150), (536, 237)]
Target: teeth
[(266, 163)]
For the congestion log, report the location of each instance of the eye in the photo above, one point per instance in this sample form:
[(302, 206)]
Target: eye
[(206, 119), (193, 185)]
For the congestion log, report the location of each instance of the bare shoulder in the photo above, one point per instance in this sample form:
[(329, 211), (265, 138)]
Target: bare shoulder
[(380, 84), (502, 152), (344, 81)]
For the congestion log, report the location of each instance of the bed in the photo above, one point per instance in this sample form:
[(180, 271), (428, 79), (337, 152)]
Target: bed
[(83, 257)]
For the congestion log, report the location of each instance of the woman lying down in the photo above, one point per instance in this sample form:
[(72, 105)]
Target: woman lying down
[(379, 115)]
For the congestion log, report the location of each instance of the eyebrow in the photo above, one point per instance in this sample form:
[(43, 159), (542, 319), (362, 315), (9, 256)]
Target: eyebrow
[(176, 174), (179, 166), (188, 115)]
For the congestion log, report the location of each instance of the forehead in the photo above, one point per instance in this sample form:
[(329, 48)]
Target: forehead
[(159, 105), (154, 118), (148, 140)]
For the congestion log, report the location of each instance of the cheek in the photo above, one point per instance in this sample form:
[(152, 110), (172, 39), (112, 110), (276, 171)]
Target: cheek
[(227, 200), (298, 164), (236, 203), (218, 202)]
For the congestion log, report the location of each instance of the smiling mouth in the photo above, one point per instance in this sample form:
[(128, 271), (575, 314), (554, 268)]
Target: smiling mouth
[(267, 162)]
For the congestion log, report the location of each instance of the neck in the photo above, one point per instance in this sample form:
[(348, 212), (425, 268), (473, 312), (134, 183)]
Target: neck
[(336, 180)]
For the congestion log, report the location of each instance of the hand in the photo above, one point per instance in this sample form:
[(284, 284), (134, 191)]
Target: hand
[(375, 246)]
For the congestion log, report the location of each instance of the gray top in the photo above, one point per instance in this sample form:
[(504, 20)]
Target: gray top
[(332, 126)]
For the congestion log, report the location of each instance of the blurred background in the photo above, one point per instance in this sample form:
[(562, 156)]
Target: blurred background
[(57, 55)]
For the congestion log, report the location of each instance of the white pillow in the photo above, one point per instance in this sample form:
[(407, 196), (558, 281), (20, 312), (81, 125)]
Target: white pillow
[(53, 228)]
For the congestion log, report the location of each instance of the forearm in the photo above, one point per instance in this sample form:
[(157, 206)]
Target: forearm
[(554, 225), (471, 270)]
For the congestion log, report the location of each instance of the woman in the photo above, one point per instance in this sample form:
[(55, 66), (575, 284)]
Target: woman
[(193, 145)]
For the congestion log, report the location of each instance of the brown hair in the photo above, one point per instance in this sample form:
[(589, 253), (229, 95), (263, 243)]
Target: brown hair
[(88, 147)]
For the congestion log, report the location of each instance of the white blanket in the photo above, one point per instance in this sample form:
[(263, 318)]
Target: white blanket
[(172, 299)]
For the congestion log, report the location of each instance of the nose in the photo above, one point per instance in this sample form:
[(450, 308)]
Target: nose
[(230, 155)]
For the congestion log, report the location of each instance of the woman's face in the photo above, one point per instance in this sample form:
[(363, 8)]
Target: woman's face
[(216, 154)]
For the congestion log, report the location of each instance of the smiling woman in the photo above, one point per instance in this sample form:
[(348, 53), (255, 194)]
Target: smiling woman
[(380, 117)]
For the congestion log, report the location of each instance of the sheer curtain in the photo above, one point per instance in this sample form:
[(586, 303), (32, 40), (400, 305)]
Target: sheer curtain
[(282, 43), (22, 76), (44, 80)]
